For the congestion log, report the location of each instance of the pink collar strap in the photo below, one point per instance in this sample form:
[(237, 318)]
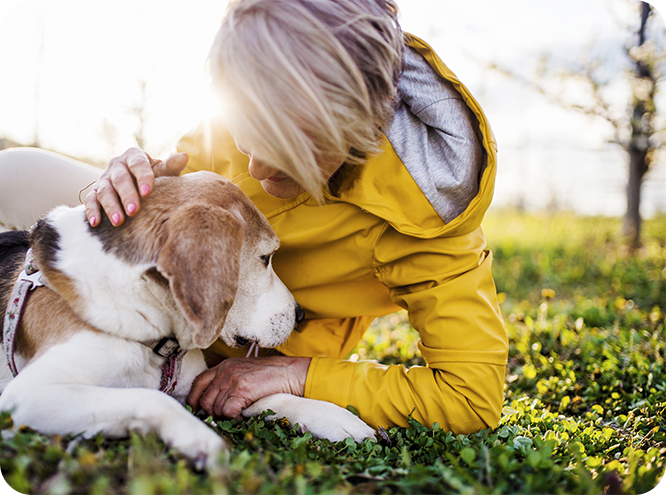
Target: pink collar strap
[(29, 279)]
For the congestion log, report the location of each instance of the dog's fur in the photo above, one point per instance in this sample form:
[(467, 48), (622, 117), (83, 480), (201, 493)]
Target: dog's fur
[(193, 264)]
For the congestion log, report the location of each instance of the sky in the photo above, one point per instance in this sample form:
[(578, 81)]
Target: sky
[(72, 72)]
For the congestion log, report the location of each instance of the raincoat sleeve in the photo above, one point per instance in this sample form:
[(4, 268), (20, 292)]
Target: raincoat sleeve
[(447, 288)]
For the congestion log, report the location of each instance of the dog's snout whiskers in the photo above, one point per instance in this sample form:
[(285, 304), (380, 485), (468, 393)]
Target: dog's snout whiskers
[(253, 347)]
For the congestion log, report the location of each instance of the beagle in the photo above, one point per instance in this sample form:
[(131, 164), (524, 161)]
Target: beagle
[(125, 312)]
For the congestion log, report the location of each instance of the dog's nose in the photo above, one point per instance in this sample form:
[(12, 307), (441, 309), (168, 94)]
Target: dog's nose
[(300, 314), (240, 341)]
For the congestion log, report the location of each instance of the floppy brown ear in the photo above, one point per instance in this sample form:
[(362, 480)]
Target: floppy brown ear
[(201, 261)]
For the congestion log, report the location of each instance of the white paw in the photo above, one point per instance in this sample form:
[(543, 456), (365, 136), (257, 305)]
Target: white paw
[(196, 441), (322, 419)]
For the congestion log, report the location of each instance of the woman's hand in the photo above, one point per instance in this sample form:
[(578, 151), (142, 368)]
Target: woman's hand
[(235, 383), (125, 180)]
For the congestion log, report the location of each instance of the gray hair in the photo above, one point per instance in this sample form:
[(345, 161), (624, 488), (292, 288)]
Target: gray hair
[(308, 82)]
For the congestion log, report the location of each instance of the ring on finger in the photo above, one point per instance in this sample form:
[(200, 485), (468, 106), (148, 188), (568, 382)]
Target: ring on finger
[(81, 191)]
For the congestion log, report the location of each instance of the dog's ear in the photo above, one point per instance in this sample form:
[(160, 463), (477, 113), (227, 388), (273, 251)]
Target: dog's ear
[(201, 261)]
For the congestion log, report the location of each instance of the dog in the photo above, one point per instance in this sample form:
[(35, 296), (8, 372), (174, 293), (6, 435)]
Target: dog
[(125, 312)]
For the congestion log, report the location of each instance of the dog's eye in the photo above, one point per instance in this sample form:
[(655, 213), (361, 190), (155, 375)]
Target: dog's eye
[(266, 259)]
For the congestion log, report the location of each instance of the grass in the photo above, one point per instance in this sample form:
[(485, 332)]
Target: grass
[(585, 408)]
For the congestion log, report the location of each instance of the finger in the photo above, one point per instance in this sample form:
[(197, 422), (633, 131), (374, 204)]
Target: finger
[(140, 164), (108, 200), (216, 393), (93, 214), (172, 166), (232, 407), (199, 386)]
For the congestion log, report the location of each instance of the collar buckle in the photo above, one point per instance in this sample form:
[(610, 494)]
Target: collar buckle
[(166, 347)]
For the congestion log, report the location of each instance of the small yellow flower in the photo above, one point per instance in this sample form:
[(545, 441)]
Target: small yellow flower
[(547, 293), (283, 422)]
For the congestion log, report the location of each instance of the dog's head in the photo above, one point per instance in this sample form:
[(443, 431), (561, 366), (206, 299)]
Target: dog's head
[(194, 262)]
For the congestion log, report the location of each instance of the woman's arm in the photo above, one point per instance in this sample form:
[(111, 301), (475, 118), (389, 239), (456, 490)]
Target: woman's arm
[(447, 287)]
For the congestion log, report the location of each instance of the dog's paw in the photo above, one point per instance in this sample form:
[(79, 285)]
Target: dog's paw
[(322, 419), (196, 441)]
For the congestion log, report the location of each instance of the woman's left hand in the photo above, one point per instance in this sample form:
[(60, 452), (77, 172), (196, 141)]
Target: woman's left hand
[(235, 383)]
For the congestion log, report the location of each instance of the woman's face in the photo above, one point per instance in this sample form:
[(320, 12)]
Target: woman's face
[(274, 181)]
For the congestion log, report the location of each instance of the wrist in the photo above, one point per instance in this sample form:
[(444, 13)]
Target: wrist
[(299, 373)]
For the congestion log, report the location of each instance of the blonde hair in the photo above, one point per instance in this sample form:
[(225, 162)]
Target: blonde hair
[(308, 82)]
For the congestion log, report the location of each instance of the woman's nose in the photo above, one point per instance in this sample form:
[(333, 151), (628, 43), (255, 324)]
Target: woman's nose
[(260, 170)]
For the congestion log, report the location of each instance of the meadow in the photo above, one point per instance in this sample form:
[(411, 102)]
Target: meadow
[(585, 407)]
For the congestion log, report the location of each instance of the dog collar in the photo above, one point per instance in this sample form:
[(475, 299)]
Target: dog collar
[(168, 348), (29, 279)]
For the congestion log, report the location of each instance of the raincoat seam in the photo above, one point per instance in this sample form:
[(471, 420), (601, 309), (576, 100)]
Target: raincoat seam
[(466, 360), (422, 109), (376, 266)]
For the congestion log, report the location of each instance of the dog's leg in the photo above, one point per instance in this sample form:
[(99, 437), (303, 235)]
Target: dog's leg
[(322, 419), (67, 408)]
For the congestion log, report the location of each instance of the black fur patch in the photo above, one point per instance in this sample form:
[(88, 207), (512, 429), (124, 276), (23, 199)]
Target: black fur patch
[(121, 246), (13, 246), (12, 242), (105, 232), (45, 238)]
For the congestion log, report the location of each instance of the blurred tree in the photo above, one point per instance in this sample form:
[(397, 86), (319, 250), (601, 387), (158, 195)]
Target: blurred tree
[(633, 126), (645, 76)]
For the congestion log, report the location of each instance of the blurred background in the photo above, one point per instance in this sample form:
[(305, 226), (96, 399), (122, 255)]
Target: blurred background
[(556, 79)]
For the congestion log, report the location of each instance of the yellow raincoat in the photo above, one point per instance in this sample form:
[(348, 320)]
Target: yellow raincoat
[(376, 246)]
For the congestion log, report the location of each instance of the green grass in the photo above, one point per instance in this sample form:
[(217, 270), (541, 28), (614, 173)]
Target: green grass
[(585, 394)]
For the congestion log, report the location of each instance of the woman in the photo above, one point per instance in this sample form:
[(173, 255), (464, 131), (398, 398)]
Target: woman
[(375, 166)]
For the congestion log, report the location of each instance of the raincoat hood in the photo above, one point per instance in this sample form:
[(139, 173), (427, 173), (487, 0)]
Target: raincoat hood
[(420, 148)]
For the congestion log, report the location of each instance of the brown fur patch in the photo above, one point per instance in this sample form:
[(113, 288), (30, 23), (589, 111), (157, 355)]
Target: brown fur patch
[(45, 242), (140, 238), (47, 320)]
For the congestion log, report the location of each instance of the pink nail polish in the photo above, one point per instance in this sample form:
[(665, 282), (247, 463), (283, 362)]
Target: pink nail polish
[(93, 221), (145, 189), (131, 208), (115, 219)]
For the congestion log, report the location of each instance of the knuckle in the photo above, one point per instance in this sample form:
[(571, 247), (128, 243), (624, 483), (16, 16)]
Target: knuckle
[(104, 188), (133, 150), (90, 200), (233, 407)]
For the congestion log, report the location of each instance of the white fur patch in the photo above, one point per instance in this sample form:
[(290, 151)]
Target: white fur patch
[(113, 292)]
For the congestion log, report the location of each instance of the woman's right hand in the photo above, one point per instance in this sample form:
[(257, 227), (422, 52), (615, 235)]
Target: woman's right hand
[(126, 179)]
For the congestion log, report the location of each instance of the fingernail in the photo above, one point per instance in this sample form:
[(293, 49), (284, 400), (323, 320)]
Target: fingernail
[(115, 219), (145, 189), (131, 208), (93, 221)]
